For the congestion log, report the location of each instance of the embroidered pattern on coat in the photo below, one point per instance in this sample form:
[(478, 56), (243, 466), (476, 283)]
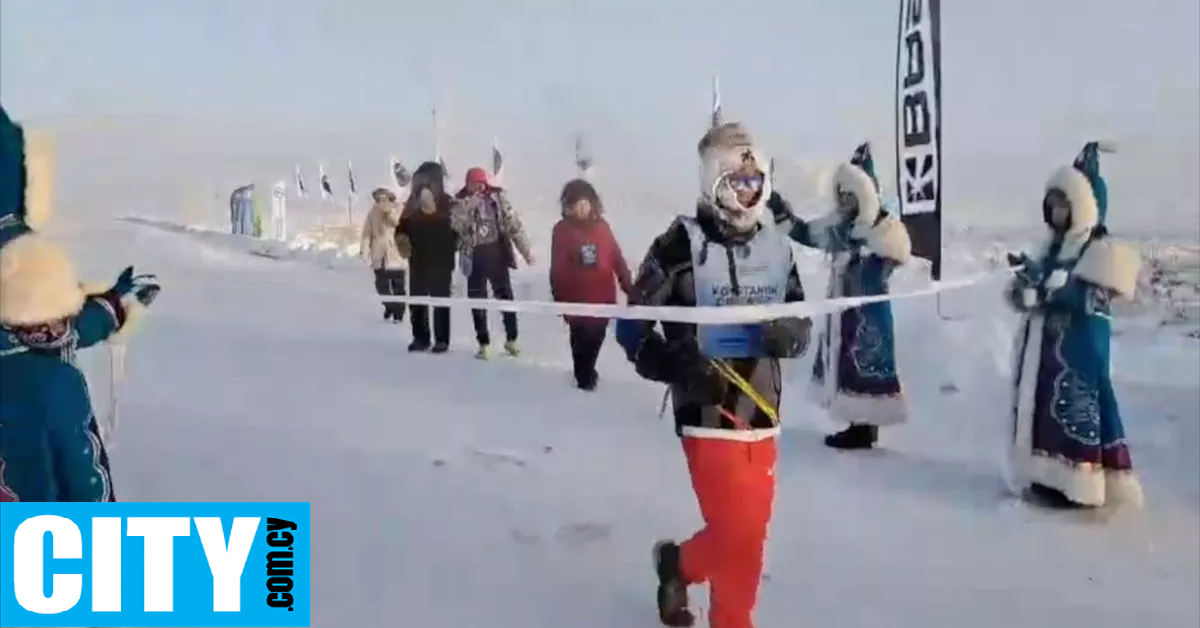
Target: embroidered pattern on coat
[(98, 464), (869, 354), (6, 493)]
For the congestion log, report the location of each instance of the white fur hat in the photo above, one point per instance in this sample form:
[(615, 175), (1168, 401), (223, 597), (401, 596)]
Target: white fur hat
[(37, 282), (852, 179), (727, 148)]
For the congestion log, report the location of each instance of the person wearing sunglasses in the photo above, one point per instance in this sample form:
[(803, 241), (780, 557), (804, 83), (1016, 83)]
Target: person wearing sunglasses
[(51, 445), (1069, 448), (386, 251), (854, 373), (725, 380)]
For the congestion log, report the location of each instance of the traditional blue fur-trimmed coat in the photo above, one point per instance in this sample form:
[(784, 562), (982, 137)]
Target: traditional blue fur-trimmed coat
[(50, 443), (1067, 428), (854, 372)]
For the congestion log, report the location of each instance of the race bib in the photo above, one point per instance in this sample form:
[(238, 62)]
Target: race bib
[(588, 255)]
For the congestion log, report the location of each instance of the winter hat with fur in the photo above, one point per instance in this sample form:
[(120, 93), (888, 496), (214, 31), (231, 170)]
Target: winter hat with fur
[(25, 178), (576, 190), (37, 279), (38, 283), (725, 149), (857, 177), (1085, 188)]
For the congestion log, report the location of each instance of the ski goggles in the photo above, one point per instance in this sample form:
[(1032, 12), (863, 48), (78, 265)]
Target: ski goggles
[(745, 183), (383, 195)]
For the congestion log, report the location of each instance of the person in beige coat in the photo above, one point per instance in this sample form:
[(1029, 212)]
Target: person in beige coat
[(386, 251)]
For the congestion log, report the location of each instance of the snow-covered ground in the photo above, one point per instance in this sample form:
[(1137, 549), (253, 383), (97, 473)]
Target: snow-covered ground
[(448, 492)]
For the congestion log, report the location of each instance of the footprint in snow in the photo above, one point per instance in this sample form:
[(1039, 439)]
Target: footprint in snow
[(492, 458), (521, 537), (584, 533)]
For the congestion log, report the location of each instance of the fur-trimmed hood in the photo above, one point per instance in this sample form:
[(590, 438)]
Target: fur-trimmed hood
[(38, 283), (25, 174), (725, 149), (857, 177), (1087, 193)]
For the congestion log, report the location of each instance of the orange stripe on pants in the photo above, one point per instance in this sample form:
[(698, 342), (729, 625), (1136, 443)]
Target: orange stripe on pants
[(735, 485)]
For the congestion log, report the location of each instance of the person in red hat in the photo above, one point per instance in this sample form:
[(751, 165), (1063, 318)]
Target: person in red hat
[(488, 230)]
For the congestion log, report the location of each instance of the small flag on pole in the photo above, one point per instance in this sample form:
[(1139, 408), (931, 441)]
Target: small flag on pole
[(437, 145), (497, 158), (301, 189), (583, 160), (350, 179), (716, 101), (326, 189), (401, 174)]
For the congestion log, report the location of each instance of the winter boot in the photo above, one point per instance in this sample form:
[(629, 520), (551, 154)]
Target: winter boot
[(512, 348), (440, 347), (417, 346), (672, 592), (482, 353), (1042, 495), (857, 436), (588, 382)]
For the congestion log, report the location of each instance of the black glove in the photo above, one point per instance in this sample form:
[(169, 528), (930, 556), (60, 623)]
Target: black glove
[(147, 293), (144, 288), (1029, 272), (785, 338)]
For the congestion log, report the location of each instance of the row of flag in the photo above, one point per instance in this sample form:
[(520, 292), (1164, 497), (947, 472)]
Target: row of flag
[(403, 177), (399, 173)]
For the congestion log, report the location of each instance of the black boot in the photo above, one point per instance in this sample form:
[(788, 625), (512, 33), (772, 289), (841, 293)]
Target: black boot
[(441, 347), (1042, 495), (857, 436), (417, 346), (672, 592), (588, 382)]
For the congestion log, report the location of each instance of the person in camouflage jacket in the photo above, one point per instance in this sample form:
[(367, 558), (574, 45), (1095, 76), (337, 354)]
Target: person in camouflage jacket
[(488, 230)]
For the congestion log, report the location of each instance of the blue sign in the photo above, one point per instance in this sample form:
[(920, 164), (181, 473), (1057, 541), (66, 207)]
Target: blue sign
[(154, 564)]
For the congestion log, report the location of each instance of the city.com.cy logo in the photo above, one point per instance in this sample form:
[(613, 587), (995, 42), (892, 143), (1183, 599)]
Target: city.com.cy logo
[(185, 565)]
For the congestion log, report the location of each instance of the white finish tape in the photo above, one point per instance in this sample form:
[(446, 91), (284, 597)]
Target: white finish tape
[(706, 315)]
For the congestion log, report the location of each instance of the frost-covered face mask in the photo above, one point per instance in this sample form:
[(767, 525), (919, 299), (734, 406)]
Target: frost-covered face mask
[(738, 197), (1056, 211)]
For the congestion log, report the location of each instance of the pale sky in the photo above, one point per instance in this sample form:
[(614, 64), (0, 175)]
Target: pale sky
[(1027, 82)]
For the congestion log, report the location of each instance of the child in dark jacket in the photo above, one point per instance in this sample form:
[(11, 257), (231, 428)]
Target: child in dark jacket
[(584, 261)]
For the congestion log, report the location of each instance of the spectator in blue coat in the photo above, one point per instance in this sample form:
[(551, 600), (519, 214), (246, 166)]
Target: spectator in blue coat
[(50, 445)]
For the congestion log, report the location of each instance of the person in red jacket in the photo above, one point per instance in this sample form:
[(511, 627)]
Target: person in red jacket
[(584, 260)]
